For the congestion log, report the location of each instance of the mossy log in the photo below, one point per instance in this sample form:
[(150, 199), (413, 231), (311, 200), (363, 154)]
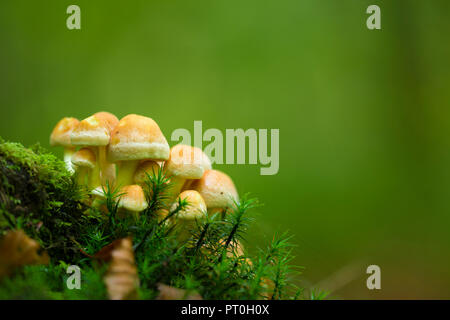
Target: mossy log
[(38, 194)]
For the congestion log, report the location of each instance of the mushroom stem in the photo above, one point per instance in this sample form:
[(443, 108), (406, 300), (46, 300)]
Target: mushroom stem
[(68, 153), (125, 175), (82, 176), (94, 180), (176, 184), (107, 169)]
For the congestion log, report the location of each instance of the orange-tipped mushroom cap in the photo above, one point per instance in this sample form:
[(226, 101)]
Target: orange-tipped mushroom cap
[(216, 188), (137, 138), (94, 130), (61, 133), (110, 119), (196, 207), (84, 158), (132, 198), (187, 162)]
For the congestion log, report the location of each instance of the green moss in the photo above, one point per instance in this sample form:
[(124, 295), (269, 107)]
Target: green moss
[(37, 161), (38, 194), (48, 283)]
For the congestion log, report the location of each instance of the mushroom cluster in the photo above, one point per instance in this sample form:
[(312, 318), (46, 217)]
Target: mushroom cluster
[(102, 151)]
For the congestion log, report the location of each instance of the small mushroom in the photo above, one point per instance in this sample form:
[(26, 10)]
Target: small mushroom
[(268, 287), (60, 136), (217, 189), (132, 200), (186, 219), (84, 161), (135, 138), (185, 162), (234, 250), (94, 132), (146, 168)]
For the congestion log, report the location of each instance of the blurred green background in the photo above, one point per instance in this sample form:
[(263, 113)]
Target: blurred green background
[(364, 115)]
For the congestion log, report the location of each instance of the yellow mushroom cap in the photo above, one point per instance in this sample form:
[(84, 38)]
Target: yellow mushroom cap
[(61, 133), (137, 138), (132, 198), (94, 130), (84, 158), (196, 207), (147, 167), (216, 188), (187, 162), (109, 119)]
